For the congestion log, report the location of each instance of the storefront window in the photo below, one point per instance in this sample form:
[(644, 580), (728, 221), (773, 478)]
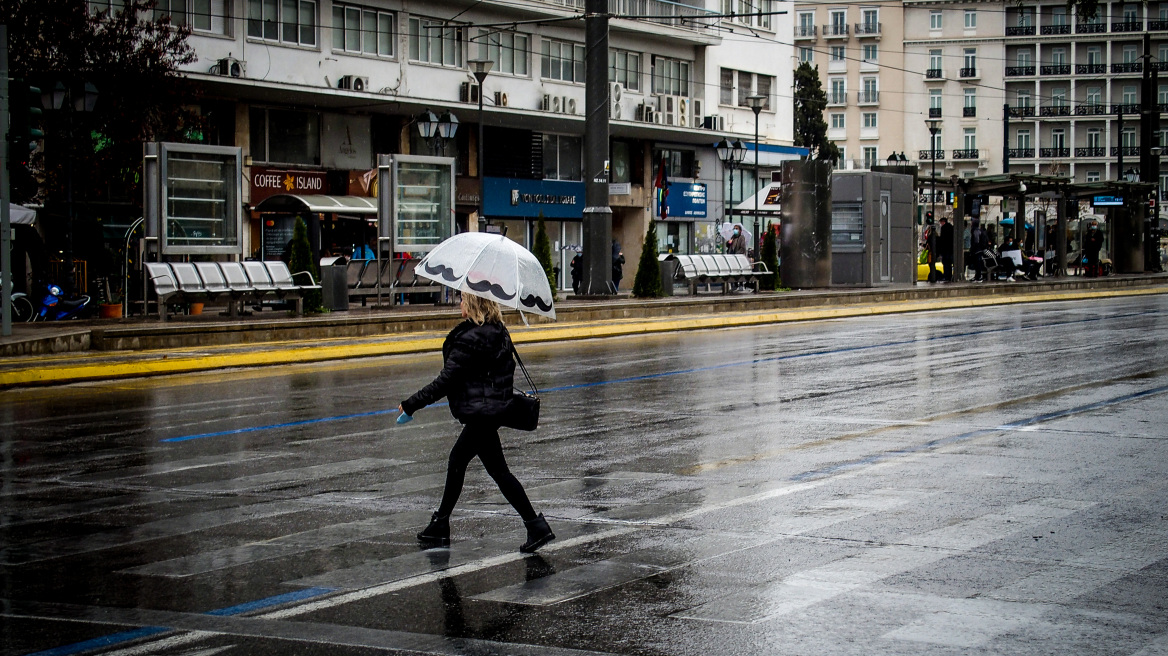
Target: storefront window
[(561, 157), (285, 137), (673, 237)]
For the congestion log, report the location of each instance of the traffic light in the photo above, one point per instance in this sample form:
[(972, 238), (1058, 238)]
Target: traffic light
[(928, 217), (24, 112)]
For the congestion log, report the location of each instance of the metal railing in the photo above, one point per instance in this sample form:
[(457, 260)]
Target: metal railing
[(968, 111), (1128, 108), (1157, 25), (1133, 26), (1054, 152), (1021, 112), (968, 72), (663, 12), (805, 31), (1128, 67), (1055, 110), (1021, 153), (933, 74), (1090, 28), (1128, 151), (1020, 30), (931, 154), (1090, 69), (1091, 109), (835, 30), (1056, 29), (1056, 69), (868, 97), (1014, 71), (934, 112), (1091, 151), (867, 29), (837, 98), (965, 153)]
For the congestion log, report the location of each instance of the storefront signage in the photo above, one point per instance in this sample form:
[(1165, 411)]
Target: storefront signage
[(1107, 201), (269, 182), (345, 143), (685, 201), (620, 188), (555, 199)]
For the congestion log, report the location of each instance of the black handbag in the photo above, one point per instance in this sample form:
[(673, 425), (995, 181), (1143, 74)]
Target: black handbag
[(522, 411)]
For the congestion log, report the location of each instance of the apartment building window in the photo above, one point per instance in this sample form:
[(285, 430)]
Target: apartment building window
[(749, 12), (561, 60), (1058, 16), (1058, 138), (936, 141), (435, 42), (670, 76), (1163, 13), (750, 84), (509, 51), (806, 55), (1162, 98), (200, 15), (837, 53), (1130, 55), (869, 119), (1093, 137), (1058, 97), (1058, 56), (1131, 14), (1164, 46), (562, 157), (362, 30), (624, 67), (871, 19), (970, 59), (839, 22), (112, 7), (285, 136), (870, 157), (1024, 140), (1094, 96), (970, 98), (1129, 95), (935, 99), (971, 138), (1128, 138), (1094, 55), (934, 60), (843, 155), (1092, 176), (806, 23), (935, 19), (837, 121), (970, 19), (870, 93), (1024, 98), (288, 21), (1098, 18), (868, 53), (1025, 57), (839, 90)]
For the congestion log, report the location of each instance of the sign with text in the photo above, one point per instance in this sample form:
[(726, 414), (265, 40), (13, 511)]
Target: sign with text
[(345, 142), (685, 201), (555, 199), (1107, 201), (267, 182)]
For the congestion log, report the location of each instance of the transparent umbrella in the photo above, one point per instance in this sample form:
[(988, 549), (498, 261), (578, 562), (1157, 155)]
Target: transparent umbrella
[(491, 266)]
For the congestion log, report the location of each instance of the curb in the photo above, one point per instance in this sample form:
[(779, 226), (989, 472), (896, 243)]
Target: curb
[(165, 362)]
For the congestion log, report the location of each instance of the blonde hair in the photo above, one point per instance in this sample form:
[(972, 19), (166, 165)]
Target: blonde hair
[(482, 310)]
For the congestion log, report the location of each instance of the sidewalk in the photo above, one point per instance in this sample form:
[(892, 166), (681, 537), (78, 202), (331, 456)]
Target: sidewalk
[(48, 354)]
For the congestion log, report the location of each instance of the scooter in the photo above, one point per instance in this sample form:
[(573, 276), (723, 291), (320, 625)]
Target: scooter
[(55, 308)]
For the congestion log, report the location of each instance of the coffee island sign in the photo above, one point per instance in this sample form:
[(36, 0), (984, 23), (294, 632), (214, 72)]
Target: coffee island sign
[(269, 182)]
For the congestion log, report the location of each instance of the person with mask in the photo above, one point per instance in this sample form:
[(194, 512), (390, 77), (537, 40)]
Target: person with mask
[(737, 243)]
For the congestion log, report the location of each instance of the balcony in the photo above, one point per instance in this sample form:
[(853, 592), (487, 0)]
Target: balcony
[(968, 111), (1090, 28), (1091, 109), (1021, 153), (1128, 151), (927, 155), (1055, 110), (1128, 67), (835, 31), (934, 74), (1090, 69), (868, 97), (1055, 29), (1020, 30), (1015, 71), (805, 31), (1091, 151), (1021, 112), (968, 153), (868, 30), (1160, 66), (1054, 152), (1157, 25), (1056, 69), (1163, 108), (840, 98), (968, 73), (1129, 108), (1132, 26), (934, 112)]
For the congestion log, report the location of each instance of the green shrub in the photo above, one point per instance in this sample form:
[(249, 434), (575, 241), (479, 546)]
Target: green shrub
[(301, 260), (648, 281), (543, 253)]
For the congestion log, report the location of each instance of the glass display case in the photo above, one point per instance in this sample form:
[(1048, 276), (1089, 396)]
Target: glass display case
[(423, 211), (201, 210)]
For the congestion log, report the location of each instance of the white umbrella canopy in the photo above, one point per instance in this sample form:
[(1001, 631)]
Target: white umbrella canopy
[(727, 231), (493, 267)]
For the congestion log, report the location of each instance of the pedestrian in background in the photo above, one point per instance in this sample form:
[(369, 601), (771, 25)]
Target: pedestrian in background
[(737, 243), (1092, 244), (477, 375), (577, 269), (945, 249), (979, 241), (618, 265), (929, 247)]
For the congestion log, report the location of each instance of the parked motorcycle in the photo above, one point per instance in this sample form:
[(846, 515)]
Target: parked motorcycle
[(54, 307), (22, 309)]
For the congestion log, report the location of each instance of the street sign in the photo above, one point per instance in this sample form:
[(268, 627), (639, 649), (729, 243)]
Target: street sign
[(1107, 201)]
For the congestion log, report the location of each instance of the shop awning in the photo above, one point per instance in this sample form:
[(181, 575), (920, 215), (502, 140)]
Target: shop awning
[(768, 201), (320, 204), (19, 215)]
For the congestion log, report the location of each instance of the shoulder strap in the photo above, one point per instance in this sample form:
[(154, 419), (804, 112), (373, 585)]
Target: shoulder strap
[(522, 368)]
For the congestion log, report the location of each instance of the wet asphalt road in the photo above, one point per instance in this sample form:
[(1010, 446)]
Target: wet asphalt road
[(981, 481)]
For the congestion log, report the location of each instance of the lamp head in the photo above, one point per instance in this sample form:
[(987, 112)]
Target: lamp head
[(427, 124), (723, 150), (934, 125), (480, 68), (739, 150), (447, 125), (756, 103)]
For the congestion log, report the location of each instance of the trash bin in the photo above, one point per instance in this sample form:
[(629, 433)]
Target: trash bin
[(334, 283), (668, 273)]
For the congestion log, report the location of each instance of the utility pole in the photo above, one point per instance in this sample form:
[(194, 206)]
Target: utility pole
[(1150, 151), (597, 214), (1006, 138), (5, 207)]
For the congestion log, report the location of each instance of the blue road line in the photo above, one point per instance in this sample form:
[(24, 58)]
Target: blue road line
[(678, 372), (953, 439), (147, 631)]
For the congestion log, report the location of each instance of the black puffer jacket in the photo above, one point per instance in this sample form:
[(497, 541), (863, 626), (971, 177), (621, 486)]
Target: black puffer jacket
[(478, 373)]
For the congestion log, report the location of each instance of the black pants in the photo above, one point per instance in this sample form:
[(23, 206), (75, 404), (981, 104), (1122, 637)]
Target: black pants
[(947, 262), (482, 440)]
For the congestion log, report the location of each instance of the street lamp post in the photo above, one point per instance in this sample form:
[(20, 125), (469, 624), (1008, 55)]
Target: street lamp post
[(480, 68), (731, 154), (934, 128), (756, 105)]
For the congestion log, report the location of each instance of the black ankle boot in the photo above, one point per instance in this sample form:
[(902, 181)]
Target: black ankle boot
[(538, 534), (438, 532)]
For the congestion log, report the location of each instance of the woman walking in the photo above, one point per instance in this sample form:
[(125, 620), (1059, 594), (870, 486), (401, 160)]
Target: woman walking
[(477, 375)]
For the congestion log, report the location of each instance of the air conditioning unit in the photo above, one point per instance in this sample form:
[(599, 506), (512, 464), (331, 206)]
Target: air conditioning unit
[(714, 122), (683, 114), (468, 92), (616, 92), (696, 112), (557, 104), (569, 105), (353, 82), (501, 99), (230, 67), (667, 110), (645, 113), (546, 103)]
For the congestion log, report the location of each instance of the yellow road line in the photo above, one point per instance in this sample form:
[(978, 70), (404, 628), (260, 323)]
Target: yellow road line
[(166, 361)]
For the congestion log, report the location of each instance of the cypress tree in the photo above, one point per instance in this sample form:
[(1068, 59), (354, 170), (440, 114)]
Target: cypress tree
[(543, 253), (770, 257), (648, 281), (301, 260)]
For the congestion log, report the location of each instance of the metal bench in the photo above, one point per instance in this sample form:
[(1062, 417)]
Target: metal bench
[(726, 270), (397, 276), (236, 281)]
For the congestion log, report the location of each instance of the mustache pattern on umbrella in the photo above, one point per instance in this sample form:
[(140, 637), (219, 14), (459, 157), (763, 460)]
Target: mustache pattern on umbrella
[(535, 301), (488, 286)]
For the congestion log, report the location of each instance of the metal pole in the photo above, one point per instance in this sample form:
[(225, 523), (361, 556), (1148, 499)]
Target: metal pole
[(5, 219), (1006, 138), (1119, 129), (482, 178), (730, 165), (757, 109), (597, 213)]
